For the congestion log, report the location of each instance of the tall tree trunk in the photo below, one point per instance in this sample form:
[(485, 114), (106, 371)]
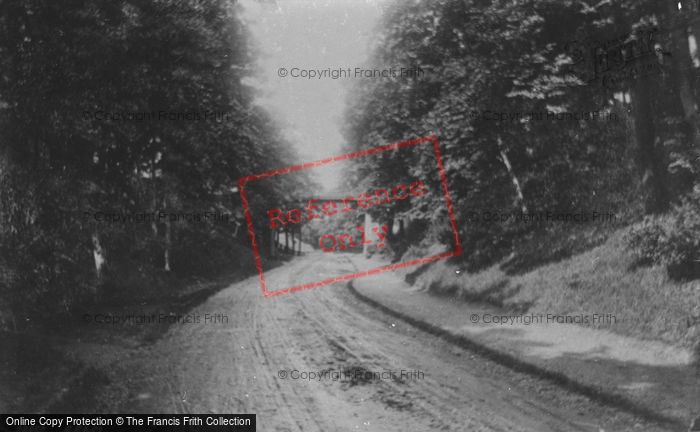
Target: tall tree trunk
[(99, 258), (513, 177), (299, 230), (274, 241), (650, 159), (168, 240), (692, 11), (154, 198), (368, 226), (681, 61)]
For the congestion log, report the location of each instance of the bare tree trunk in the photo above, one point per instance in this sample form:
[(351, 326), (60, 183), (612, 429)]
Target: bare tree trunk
[(99, 257), (692, 11), (154, 198), (513, 177), (166, 253), (98, 254), (681, 61), (650, 159), (286, 240), (168, 241), (368, 225)]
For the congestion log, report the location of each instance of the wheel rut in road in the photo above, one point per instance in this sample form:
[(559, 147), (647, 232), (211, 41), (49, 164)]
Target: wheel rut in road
[(237, 367)]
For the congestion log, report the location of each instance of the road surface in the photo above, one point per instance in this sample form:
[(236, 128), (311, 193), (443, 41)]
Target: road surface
[(249, 365)]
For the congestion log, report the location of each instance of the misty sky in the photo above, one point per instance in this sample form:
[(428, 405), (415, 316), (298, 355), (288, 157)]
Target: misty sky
[(310, 34)]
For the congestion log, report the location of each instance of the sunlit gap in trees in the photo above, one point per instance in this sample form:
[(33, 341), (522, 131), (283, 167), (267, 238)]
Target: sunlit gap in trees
[(310, 35)]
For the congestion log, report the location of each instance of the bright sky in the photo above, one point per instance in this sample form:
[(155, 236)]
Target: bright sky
[(310, 35)]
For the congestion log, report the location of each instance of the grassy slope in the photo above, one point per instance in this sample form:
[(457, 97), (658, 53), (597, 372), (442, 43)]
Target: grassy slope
[(601, 280)]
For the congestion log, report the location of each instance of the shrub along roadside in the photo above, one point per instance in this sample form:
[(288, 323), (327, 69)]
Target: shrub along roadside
[(671, 240)]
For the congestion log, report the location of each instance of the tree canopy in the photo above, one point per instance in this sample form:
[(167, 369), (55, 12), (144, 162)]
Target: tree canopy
[(129, 107), (540, 106)]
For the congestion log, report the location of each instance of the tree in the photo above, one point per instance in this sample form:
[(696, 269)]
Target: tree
[(482, 59), (123, 107)]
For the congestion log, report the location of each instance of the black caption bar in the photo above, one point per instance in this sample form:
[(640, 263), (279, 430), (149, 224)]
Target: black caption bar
[(128, 422)]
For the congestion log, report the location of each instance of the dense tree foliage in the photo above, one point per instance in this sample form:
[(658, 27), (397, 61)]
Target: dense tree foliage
[(634, 153), (78, 82)]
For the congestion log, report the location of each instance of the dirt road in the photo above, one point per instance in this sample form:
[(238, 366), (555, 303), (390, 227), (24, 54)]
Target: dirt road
[(235, 366)]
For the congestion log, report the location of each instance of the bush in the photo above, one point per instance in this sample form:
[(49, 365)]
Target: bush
[(672, 240), (648, 240), (683, 248)]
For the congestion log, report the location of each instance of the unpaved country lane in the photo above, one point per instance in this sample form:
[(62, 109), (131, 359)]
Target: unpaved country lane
[(235, 368)]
